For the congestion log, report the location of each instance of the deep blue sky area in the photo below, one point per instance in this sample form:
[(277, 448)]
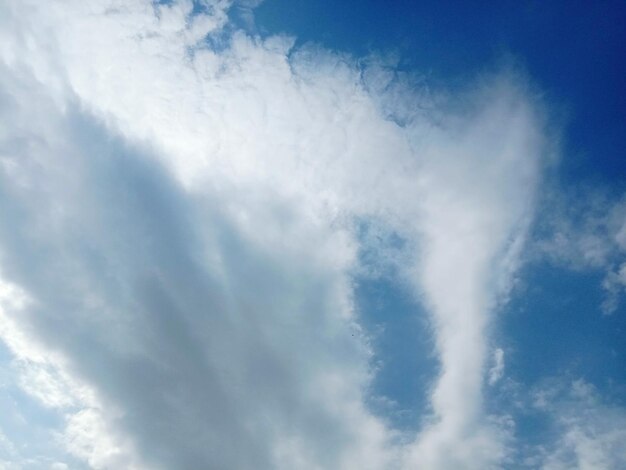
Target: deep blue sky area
[(554, 326), (573, 51)]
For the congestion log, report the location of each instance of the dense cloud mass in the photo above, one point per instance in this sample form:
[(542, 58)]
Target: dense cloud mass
[(180, 208)]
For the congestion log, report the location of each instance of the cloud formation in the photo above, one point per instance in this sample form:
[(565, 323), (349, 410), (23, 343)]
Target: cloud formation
[(183, 201), (590, 431), (587, 231)]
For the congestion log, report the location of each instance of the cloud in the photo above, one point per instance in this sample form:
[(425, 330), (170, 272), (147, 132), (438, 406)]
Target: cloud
[(590, 432), (586, 230), (183, 201), (497, 370)]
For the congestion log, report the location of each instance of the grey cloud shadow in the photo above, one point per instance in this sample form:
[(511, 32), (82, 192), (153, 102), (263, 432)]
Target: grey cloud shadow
[(110, 247)]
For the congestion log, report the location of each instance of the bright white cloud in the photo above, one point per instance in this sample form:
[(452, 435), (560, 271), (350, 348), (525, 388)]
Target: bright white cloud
[(182, 223)]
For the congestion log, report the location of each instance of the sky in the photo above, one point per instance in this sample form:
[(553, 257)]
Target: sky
[(312, 235)]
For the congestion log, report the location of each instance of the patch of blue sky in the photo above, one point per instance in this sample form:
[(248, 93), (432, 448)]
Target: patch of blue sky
[(554, 333), (555, 326), (398, 327), (402, 344)]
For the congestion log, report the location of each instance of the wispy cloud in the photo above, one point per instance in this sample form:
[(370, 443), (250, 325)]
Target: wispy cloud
[(586, 230), (590, 432), (497, 369)]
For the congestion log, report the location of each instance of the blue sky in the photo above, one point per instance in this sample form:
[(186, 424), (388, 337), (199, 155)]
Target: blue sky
[(312, 235)]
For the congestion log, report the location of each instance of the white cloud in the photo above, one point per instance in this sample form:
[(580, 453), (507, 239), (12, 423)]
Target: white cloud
[(497, 369), (182, 221), (590, 433)]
